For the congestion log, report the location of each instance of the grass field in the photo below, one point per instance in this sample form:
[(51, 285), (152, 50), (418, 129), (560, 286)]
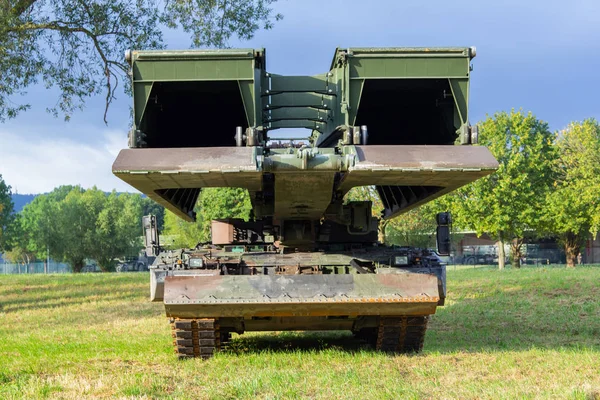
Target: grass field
[(530, 333)]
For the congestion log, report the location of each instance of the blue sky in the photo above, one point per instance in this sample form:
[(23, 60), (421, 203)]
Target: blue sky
[(542, 56)]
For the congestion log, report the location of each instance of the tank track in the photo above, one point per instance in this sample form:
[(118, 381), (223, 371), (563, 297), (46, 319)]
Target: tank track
[(197, 338), (401, 334), (202, 338)]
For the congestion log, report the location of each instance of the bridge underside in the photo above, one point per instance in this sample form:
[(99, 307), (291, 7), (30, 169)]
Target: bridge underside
[(404, 176)]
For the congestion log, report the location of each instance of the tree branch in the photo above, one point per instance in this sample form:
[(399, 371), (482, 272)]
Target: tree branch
[(22, 6), (61, 26), (223, 21)]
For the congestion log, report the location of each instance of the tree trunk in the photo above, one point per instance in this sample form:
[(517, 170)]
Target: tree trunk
[(381, 231), (77, 266), (28, 263), (106, 264), (501, 254), (572, 247), (515, 248)]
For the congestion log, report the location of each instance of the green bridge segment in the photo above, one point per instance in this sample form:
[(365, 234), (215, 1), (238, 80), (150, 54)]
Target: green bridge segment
[(387, 117), (358, 80)]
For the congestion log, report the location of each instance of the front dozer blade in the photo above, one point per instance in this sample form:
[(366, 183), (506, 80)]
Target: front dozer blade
[(300, 295)]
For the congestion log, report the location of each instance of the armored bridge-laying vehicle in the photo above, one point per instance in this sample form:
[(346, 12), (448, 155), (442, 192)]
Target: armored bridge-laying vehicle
[(392, 119)]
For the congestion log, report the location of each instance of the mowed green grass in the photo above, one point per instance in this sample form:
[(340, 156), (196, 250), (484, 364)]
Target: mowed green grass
[(530, 333)]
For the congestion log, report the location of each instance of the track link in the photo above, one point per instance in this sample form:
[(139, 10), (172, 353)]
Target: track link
[(401, 334), (196, 337)]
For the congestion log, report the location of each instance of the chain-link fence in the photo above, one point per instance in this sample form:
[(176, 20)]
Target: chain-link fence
[(35, 268)]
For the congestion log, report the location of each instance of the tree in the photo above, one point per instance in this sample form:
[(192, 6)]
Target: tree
[(78, 45), (15, 248), (6, 214), (19, 255), (118, 226), (76, 224), (75, 221), (213, 203), (508, 204), (39, 231), (182, 234), (415, 228), (57, 222), (572, 205)]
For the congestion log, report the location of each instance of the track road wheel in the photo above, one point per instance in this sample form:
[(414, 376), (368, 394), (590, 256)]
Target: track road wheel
[(194, 338), (401, 334)]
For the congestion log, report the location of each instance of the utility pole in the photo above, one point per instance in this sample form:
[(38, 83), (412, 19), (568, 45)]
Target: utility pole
[(47, 266)]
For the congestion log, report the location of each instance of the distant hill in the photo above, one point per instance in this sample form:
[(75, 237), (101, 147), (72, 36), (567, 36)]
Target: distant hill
[(20, 200)]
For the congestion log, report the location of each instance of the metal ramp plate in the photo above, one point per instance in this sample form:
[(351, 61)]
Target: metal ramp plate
[(173, 176)]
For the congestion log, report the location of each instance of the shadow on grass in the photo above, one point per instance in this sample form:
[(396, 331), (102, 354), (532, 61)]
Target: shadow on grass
[(288, 342)]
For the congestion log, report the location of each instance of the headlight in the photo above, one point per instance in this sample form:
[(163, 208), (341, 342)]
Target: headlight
[(196, 262), (401, 260)]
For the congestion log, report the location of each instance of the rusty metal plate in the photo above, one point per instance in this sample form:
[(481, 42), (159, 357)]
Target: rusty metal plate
[(300, 309), (300, 295), (150, 169), (189, 159)]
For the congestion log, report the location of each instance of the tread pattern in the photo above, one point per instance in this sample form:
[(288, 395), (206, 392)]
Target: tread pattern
[(201, 338), (194, 338), (401, 334)]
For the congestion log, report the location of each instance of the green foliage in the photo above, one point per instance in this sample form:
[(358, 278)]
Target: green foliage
[(77, 46), (39, 230), (212, 23), (19, 254), (75, 224), (182, 234), (415, 228), (117, 229), (366, 193), (216, 203), (6, 214), (508, 204), (213, 203), (572, 205)]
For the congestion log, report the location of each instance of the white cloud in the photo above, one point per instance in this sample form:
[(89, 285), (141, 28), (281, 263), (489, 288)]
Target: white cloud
[(41, 164)]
